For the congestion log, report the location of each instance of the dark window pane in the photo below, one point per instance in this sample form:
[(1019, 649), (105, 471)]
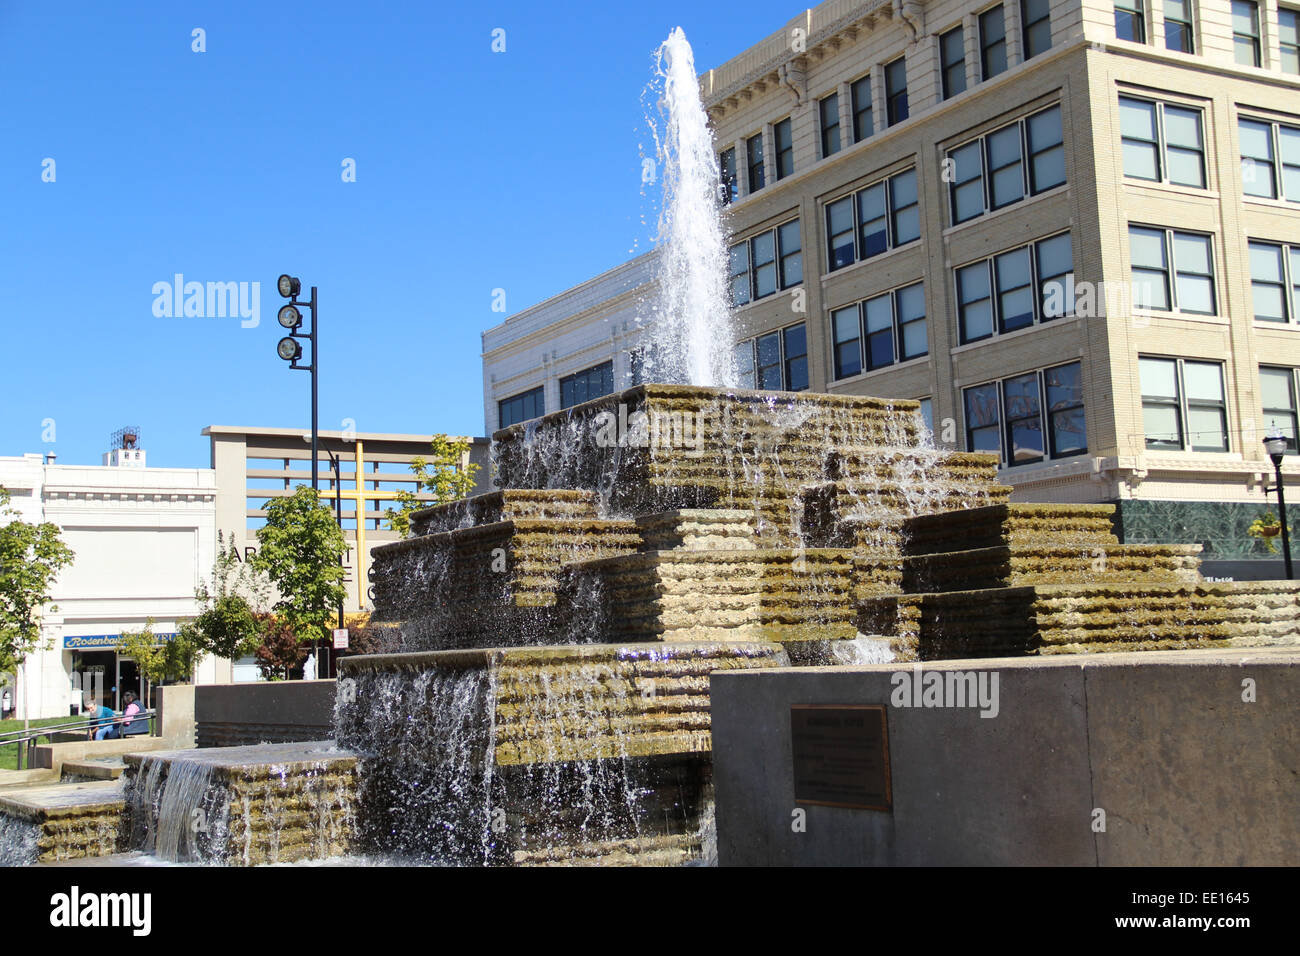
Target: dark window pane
[(862, 125), (784, 149), (896, 90), (993, 43), (839, 230), (830, 120), (796, 358), (754, 152), (952, 52)]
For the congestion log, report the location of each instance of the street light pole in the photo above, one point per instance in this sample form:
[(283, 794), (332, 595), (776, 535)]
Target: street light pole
[(1276, 446), (289, 348)]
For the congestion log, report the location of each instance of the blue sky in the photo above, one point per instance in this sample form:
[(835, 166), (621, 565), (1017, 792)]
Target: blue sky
[(475, 170)]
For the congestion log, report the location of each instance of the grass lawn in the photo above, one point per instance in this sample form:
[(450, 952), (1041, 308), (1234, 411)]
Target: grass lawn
[(9, 752)]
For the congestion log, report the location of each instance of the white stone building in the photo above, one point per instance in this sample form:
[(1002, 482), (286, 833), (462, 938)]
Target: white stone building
[(144, 539)]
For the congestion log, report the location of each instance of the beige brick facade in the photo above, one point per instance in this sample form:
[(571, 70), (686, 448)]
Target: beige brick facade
[(1086, 69)]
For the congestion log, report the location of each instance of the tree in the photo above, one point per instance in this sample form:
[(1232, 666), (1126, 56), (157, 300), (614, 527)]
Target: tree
[(281, 650), (143, 648), (31, 556), (227, 625), (183, 653), (299, 550), (446, 475)]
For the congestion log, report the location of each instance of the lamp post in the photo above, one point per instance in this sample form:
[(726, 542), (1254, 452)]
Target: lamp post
[(1276, 446), (338, 517), (289, 348)]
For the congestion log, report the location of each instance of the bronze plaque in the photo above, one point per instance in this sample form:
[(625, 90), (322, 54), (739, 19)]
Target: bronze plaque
[(841, 755)]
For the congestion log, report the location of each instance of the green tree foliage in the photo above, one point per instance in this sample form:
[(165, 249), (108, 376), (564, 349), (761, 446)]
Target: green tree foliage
[(228, 625), (299, 549), (442, 474), (142, 647), (31, 556), (183, 653)]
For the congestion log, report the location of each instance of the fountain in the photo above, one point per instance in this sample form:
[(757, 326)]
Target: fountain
[(543, 697)]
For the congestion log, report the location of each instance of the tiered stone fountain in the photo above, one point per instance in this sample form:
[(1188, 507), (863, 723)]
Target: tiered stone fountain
[(546, 696)]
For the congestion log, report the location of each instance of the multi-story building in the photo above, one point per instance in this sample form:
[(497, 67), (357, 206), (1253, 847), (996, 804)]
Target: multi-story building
[(1070, 228), (143, 540)]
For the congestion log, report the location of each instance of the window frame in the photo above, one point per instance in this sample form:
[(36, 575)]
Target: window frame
[(1277, 164), (1188, 25), (985, 46), (1289, 281), (946, 66), (751, 165), (1161, 142), (1135, 12), (1037, 284), (728, 175), (1044, 415), (1171, 270), (1183, 406), (1026, 161), (828, 128), (862, 83), (538, 391), (780, 262), (1293, 412), (1027, 25), (1283, 47), (891, 217), (897, 329), (783, 361), (1255, 37), (896, 103), (784, 151), (604, 369)]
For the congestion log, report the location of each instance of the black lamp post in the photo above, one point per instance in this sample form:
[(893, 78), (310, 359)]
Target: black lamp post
[(1276, 446), (289, 348)]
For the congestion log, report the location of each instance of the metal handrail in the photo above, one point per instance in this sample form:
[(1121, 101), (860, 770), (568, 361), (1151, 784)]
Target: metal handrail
[(30, 735)]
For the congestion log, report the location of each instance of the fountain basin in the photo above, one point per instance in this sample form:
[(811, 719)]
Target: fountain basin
[(61, 822)]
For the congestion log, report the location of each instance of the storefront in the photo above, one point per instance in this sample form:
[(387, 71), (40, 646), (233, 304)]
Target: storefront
[(96, 668)]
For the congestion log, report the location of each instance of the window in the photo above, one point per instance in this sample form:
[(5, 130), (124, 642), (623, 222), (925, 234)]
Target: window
[(896, 91), (1162, 143), (1002, 167), (1130, 24), (861, 96), (636, 363), (1262, 144), (754, 154), (520, 408), (1036, 26), (993, 43), (880, 331), (887, 215), (1274, 269), (587, 384), (1277, 395), (1245, 32), (764, 263), (777, 360), (927, 414), (1288, 39), (1159, 255), (1016, 288), (1179, 34), (952, 58), (727, 168), (784, 149), (1033, 416), (829, 110), (1183, 407)]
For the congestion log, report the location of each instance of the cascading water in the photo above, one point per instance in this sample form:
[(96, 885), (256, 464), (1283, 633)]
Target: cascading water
[(690, 333)]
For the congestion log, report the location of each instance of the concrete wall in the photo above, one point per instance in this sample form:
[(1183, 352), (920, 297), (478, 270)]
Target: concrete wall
[(232, 715), (1186, 772), (175, 705)]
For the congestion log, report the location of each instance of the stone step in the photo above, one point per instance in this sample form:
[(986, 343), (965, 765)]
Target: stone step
[(496, 506), (1011, 524), (1019, 564)]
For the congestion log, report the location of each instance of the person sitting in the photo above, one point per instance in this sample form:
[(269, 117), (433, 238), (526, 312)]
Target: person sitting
[(103, 728), (133, 723)]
